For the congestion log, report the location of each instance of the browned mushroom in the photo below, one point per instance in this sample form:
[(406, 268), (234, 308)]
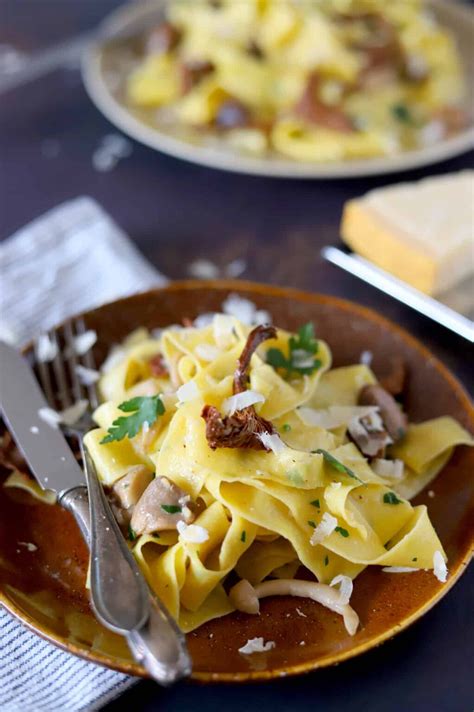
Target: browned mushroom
[(162, 38), (311, 109), (242, 428), (157, 366), (161, 506), (394, 419), (129, 488), (193, 72), (369, 435)]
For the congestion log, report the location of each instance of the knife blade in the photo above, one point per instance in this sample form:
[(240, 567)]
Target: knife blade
[(43, 446)]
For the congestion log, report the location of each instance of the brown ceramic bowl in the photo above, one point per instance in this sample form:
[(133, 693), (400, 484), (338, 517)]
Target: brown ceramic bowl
[(45, 589)]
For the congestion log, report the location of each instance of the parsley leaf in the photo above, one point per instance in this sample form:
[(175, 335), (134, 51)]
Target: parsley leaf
[(312, 524), (316, 503), (286, 428), (403, 114), (131, 534), (326, 560), (243, 537), (343, 532), (143, 409), (336, 464), (301, 357), (171, 508), (391, 498)]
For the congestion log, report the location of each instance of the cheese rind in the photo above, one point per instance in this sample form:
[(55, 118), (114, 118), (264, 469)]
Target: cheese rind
[(423, 233)]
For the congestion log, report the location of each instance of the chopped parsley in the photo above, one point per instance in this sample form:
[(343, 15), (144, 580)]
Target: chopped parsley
[(301, 354), (391, 498), (131, 534), (286, 428), (243, 536), (312, 524), (326, 560), (316, 503), (331, 460), (171, 508), (143, 409), (156, 535), (343, 532), (403, 114), (415, 558)]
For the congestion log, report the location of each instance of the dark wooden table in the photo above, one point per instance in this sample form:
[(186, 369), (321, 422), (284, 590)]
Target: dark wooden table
[(177, 212)]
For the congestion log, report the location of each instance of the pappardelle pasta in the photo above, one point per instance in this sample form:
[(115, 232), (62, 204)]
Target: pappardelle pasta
[(232, 447), (319, 80)]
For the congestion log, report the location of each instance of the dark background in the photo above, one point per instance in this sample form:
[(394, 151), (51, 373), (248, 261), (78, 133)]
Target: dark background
[(177, 212)]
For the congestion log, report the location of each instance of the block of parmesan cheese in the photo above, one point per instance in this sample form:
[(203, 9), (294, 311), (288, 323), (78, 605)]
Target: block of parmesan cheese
[(421, 232)]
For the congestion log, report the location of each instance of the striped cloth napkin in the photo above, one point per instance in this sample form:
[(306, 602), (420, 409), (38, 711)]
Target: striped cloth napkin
[(71, 259)]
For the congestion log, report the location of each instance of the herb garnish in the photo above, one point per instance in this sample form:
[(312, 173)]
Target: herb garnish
[(171, 508), (391, 498), (326, 560), (301, 357), (316, 503), (131, 534), (403, 114), (144, 409), (243, 537), (339, 466), (312, 524), (343, 532), (415, 558), (286, 428)]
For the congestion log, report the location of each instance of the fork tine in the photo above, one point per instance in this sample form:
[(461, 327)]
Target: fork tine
[(72, 362), (64, 394), (44, 375), (89, 362)]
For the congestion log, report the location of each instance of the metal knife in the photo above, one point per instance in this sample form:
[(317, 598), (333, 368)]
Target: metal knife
[(132, 610)]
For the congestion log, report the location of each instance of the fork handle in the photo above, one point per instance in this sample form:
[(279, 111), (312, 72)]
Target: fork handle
[(155, 641)]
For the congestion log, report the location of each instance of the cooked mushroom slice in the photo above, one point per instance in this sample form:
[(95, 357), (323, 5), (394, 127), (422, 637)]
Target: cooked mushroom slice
[(394, 419), (192, 73), (243, 428), (162, 38), (245, 597), (161, 506), (311, 109), (129, 488), (369, 435)]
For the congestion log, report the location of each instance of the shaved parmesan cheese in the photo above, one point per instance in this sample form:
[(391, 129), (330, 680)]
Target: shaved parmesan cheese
[(192, 533), (82, 343), (28, 545), (87, 376), (392, 469), (302, 359), (204, 320), (256, 645), (236, 268), (345, 588), (300, 613), (335, 415), (45, 349), (50, 416), (188, 392), (241, 401), (325, 527), (203, 269), (440, 569), (245, 311), (116, 355), (366, 358), (68, 416), (223, 328), (399, 569), (272, 441), (207, 352)]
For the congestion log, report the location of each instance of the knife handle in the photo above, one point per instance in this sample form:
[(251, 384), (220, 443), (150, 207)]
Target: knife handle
[(156, 641)]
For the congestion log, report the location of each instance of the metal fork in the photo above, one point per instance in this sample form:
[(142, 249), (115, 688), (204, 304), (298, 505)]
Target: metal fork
[(120, 596)]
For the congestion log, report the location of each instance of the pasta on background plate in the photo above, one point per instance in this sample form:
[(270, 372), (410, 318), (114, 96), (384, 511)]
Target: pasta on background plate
[(319, 80)]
